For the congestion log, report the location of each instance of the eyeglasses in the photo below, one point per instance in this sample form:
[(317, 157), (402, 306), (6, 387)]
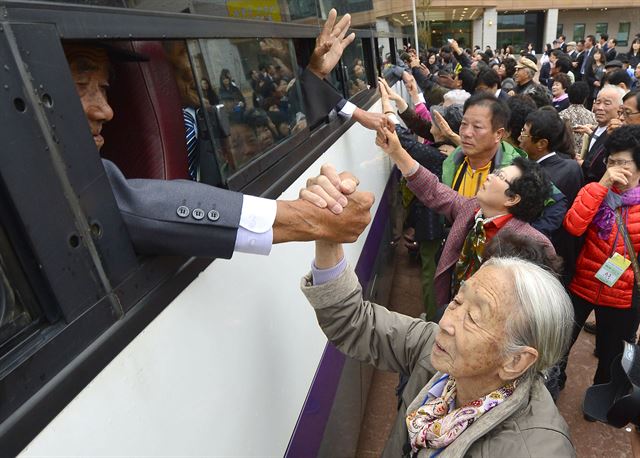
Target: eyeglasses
[(618, 162), (628, 113), (500, 175), (524, 134)]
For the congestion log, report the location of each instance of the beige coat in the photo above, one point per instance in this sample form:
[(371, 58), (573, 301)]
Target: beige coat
[(527, 424)]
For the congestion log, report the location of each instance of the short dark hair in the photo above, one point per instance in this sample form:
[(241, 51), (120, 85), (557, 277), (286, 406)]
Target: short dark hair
[(489, 78), (508, 244), (563, 79), (468, 79), (614, 41), (592, 38), (533, 186), (520, 105), (499, 110), (635, 93), (604, 36), (619, 76), (563, 64), (562, 36), (545, 123), (625, 138), (509, 66), (578, 92)]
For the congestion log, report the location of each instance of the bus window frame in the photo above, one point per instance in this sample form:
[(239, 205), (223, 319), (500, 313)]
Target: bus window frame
[(46, 371)]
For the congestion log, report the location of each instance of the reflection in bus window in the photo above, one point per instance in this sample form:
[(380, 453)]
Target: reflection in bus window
[(250, 98), (353, 58)]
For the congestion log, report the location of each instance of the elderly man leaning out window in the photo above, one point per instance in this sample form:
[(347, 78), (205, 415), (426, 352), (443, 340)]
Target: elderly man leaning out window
[(475, 386)]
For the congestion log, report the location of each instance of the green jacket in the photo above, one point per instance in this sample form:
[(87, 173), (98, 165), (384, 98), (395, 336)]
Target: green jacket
[(505, 156)]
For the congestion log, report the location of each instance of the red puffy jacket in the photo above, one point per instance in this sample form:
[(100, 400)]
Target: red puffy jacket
[(596, 251)]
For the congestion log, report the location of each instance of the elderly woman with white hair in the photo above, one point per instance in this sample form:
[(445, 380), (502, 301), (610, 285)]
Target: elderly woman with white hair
[(475, 386)]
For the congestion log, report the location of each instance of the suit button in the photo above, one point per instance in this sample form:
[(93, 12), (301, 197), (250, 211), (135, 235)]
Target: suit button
[(213, 215), (198, 214), (183, 211)]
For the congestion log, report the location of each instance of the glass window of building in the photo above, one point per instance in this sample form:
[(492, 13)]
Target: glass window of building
[(601, 28), (623, 33), (578, 32)]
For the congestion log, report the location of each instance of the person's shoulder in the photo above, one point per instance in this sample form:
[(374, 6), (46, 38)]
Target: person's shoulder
[(538, 429)]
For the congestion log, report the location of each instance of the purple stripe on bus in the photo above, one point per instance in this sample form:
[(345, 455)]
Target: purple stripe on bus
[(309, 431)]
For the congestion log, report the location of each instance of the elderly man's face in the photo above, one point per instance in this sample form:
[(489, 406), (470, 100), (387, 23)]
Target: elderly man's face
[(606, 106), (471, 335), (522, 76), (90, 70), (476, 132)]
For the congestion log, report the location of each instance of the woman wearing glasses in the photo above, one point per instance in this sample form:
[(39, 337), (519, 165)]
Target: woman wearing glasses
[(604, 279)]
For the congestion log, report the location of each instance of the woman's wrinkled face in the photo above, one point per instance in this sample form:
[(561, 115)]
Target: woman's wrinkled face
[(471, 337)]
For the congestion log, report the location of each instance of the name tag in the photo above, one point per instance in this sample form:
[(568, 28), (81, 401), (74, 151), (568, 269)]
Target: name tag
[(612, 269)]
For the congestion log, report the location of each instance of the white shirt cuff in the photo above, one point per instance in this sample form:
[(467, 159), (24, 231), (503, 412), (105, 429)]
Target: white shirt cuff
[(393, 118), (255, 234), (421, 98), (347, 110)]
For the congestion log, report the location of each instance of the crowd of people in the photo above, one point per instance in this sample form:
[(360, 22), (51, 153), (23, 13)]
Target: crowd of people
[(521, 232), (531, 158)]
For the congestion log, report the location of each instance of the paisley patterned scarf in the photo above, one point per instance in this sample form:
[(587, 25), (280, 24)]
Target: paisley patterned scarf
[(437, 423)]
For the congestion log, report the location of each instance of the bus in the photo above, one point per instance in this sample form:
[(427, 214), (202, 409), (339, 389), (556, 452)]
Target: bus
[(107, 352)]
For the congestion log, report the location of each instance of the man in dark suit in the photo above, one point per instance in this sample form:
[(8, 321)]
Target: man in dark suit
[(586, 68), (189, 218), (606, 109), (578, 60), (562, 43)]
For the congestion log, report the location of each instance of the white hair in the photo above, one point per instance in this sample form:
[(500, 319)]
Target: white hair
[(543, 317), (617, 89), (455, 97)]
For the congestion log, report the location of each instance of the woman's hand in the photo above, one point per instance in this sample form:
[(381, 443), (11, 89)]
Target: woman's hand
[(412, 86), (389, 142), (615, 176), (446, 129), (389, 92)]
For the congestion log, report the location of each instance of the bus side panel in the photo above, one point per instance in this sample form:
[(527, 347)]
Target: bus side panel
[(226, 368)]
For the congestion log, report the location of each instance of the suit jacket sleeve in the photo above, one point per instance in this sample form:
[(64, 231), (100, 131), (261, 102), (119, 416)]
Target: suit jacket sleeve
[(552, 215), (149, 209), (319, 97), (365, 331)]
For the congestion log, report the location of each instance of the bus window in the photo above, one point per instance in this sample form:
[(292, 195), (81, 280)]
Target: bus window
[(249, 92), (353, 58), (18, 308)]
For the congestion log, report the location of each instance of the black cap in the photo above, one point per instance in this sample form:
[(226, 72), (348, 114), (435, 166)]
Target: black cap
[(617, 403), (613, 63)]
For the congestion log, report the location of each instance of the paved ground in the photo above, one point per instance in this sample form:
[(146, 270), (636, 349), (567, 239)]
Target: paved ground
[(590, 439)]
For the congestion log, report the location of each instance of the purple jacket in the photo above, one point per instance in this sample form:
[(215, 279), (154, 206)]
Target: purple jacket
[(461, 212)]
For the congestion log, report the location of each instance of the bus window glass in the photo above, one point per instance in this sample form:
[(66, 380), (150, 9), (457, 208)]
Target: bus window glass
[(18, 308), (353, 59), (249, 92)]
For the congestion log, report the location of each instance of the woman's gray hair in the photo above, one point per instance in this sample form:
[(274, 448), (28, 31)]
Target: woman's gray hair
[(543, 317)]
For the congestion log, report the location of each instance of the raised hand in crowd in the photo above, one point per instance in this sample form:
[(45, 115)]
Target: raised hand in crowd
[(446, 130), (387, 94), (330, 44)]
